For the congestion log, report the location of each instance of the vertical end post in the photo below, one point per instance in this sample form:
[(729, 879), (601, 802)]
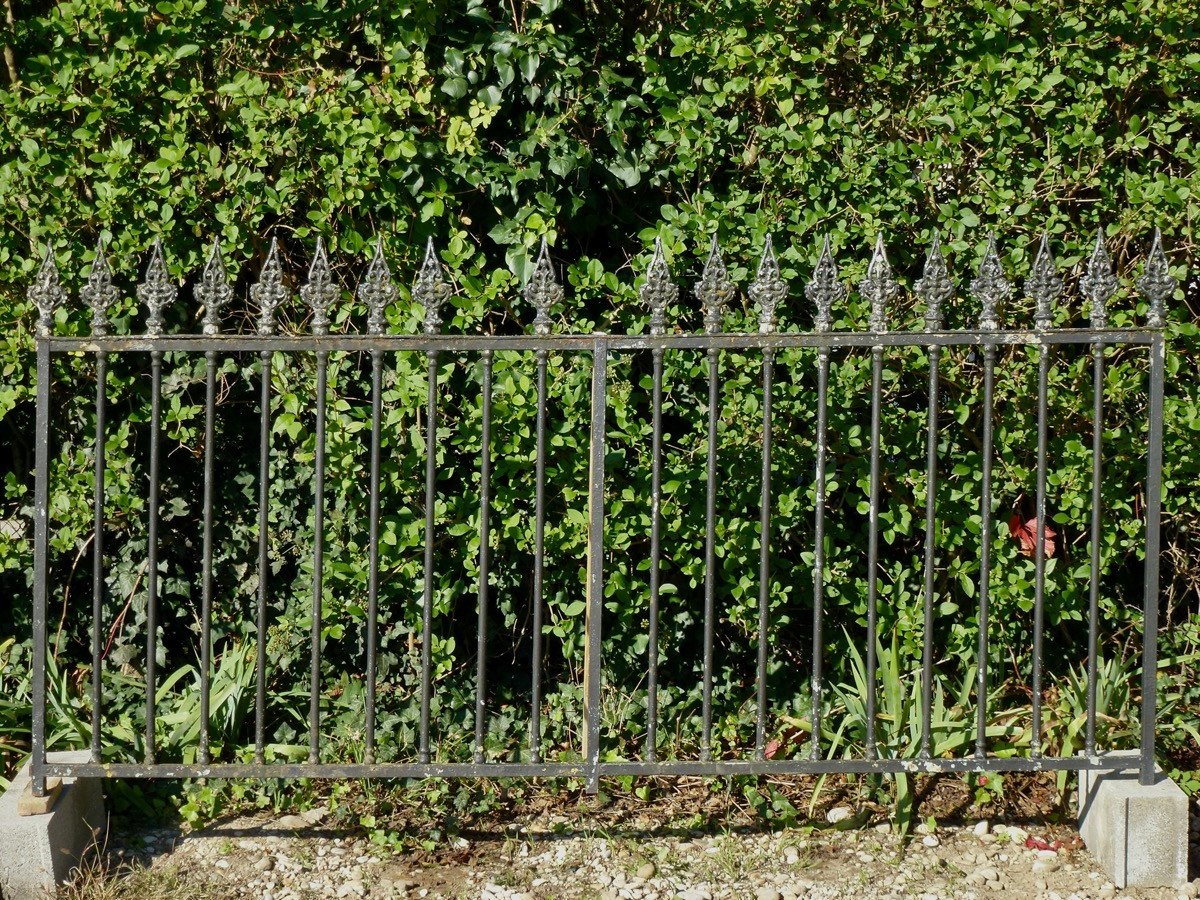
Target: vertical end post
[(1149, 710), (37, 761)]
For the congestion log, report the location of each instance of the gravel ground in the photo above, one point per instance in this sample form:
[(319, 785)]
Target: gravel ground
[(551, 855)]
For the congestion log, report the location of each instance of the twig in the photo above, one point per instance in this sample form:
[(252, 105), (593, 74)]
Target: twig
[(10, 59), (67, 596), (119, 620)]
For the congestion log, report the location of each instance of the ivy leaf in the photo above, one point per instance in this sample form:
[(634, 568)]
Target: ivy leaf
[(456, 87), (627, 171)]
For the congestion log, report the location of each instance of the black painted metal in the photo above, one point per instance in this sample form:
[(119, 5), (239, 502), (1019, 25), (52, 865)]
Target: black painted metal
[(879, 287), (544, 293), (539, 561), (98, 555), (985, 549), (152, 554), (427, 597), (485, 511), (657, 293), (764, 559), (592, 662), (373, 553), (655, 555), (264, 487), (710, 554), (206, 574)]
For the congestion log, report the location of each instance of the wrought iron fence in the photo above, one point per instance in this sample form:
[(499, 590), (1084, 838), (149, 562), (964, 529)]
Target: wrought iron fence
[(989, 289)]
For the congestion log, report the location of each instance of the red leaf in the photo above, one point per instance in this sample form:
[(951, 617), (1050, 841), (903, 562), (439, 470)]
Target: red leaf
[(1037, 843), (1025, 534)]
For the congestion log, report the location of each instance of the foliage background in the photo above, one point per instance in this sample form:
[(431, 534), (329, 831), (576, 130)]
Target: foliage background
[(486, 126)]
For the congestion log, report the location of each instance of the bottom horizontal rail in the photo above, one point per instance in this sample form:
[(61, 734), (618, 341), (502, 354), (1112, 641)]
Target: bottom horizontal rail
[(850, 766), (666, 768)]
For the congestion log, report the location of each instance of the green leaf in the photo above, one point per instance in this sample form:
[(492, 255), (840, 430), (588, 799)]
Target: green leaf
[(456, 87)]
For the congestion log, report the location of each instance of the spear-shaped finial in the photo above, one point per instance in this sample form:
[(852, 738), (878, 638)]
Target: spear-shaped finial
[(269, 291), (658, 292), (156, 290), (990, 287), (319, 291), (1156, 283), (213, 290), (377, 290), (430, 288), (767, 290), (1043, 285), (1099, 283), (934, 287), (714, 290), (879, 286), (824, 290), (543, 291), (47, 294), (98, 291)]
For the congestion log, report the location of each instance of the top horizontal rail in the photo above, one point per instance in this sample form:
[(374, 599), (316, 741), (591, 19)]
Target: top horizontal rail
[(714, 292), (587, 342)]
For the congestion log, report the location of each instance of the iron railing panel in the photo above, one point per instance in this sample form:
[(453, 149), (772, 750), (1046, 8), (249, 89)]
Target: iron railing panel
[(714, 291)]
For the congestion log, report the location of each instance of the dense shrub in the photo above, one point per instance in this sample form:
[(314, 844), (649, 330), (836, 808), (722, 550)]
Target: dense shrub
[(486, 127)]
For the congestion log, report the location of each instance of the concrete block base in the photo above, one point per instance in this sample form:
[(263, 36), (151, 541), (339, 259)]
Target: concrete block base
[(38, 852), (1138, 833)]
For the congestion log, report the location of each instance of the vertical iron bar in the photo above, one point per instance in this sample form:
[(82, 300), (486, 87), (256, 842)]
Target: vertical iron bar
[(206, 577), (98, 549), (873, 555), (655, 554), (260, 636), (764, 556), (1150, 601), (595, 564), (485, 509), (152, 555), (427, 599), (41, 528), (539, 560), (1039, 552), (1097, 503), (373, 549), (710, 542), (819, 551), (985, 550), (935, 353), (314, 687)]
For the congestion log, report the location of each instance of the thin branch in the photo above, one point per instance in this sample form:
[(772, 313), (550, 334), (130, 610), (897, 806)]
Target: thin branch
[(10, 59)]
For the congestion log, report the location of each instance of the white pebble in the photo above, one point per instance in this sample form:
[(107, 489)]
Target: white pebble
[(838, 814)]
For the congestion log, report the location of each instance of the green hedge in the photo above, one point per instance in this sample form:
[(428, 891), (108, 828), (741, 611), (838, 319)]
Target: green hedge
[(487, 127)]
